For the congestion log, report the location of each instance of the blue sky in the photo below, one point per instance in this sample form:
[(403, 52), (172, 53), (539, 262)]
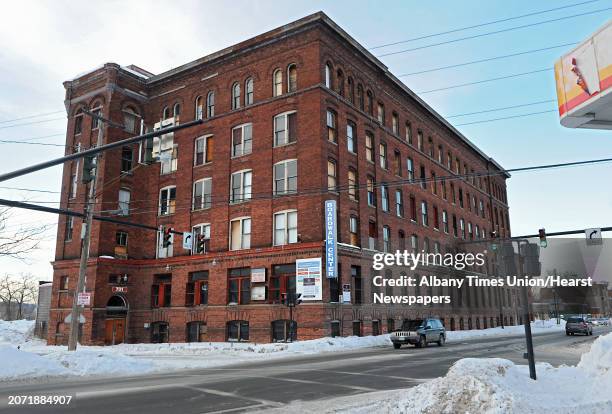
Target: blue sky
[(46, 43)]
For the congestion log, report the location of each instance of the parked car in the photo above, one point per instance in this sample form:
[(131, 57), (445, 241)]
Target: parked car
[(576, 325), (603, 321), (593, 321), (419, 332)]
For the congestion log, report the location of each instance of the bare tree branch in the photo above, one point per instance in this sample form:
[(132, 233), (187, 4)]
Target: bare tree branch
[(17, 243)]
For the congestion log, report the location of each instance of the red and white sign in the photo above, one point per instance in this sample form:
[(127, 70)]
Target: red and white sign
[(84, 299), (120, 289)]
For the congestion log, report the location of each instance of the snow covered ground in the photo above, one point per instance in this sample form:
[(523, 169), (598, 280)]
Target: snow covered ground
[(35, 360), (493, 386)]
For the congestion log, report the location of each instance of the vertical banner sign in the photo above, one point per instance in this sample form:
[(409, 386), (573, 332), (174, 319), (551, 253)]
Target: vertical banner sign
[(331, 254), (309, 278)]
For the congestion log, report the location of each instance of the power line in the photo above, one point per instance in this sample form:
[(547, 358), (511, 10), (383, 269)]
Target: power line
[(507, 117), (494, 32), (516, 75), (501, 108), (482, 24), (30, 189), (31, 123), (487, 59), (40, 137), (30, 116), (48, 144)]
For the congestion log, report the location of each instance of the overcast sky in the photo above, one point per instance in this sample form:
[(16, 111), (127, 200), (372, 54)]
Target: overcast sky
[(44, 43)]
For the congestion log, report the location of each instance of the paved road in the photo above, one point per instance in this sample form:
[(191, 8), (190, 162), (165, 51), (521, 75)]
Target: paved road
[(249, 387)]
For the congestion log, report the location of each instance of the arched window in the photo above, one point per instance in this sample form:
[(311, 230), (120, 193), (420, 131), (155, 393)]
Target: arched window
[(78, 122), (236, 95), (370, 103), (248, 92), (177, 110), (210, 104), (199, 107), (277, 83), (328, 75), (351, 89), (360, 101), (340, 79), (130, 119), (292, 78), (166, 113)]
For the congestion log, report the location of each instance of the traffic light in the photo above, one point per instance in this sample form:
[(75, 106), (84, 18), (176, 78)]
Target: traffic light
[(167, 237), (201, 244), (89, 164), (542, 235)]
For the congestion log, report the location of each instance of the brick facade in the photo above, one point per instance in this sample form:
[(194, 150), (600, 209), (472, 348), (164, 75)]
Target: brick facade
[(310, 44)]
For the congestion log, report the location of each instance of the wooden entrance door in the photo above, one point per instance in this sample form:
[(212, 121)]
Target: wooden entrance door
[(114, 331)]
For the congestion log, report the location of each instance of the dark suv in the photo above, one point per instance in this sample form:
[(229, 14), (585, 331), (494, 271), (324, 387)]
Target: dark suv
[(575, 325), (419, 332)]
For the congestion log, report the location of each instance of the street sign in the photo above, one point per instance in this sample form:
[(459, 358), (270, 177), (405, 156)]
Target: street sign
[(187, 240), (84, 299), (593, 236), (346, 293), (119, 289)]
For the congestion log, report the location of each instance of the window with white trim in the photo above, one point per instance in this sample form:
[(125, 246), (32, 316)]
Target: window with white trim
[(202, 194), (410, 168), (203, 150), (124, 202), (384, 196), (424, 216), (285, 177), (382, 149), (351, 139), (242, 182), (386, 239), (202, 229), (332, 132), (210, 104), (285, 128), (332, 175), (242, 140), (248, 92), (354, 231), (236, 95), (369, 146), (352, 184), (277, 79), (328, 76), (292, 78), (240, 233), (167, 200), (285, 227)]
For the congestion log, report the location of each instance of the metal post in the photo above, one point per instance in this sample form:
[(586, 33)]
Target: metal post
[(526, 319), (89, 209), (290, 320)]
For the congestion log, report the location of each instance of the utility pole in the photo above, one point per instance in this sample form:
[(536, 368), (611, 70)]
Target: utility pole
[(526, 318), (89, 210)]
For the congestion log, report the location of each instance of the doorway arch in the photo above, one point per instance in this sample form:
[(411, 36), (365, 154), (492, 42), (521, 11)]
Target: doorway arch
[(115, 327)]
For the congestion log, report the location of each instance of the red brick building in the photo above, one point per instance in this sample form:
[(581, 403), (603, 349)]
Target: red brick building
[(292, 117)]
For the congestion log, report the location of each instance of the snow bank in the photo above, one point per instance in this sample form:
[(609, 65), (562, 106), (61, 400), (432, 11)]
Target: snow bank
[(17, 364), (16, 332)]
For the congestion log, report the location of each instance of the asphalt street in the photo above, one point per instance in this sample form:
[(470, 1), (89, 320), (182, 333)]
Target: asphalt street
[(270, 384)]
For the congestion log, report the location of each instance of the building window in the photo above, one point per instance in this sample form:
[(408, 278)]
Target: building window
[(357, 328), (351, 139), (202, 194), (78, 122), (284, 330), (386, 239), (277, 83), (372, 234), (127, 158), (121, 238), (285, 227), (351, 89), (196, 292), (95, 122), (240, 233), (440, 155), (423, 178), (332, 180), (285, 128), (69, 228), (237, 331), (124, 202), (414, 243), (401, 236), (159, 333), (199, 107), (370, 103), (462, 228), (381, 112), (236, 95), (74, 179), (436, 218), (203, 150), (357, 284), (455, 231), (167, 200), (352, 184), (369, 146), (461, 197), (196, 331), (371, 192), (239, 286), (424, 217), (354, 231), (166, 113), (63, 286), (395, 123), (420, 140), (332, 135), (384, 196), (382, 149), (242, 140), (165, 150), (413, 212), (176, 111), (360, 101), (399, 203), (410, 168), (241, 186), (340, 80), (248, 92), (292, 78), (161, 291), (431, 147), (285, 177), (202, 230), (409, 133), (281, 283), (210, 104), (453, 194), (328, 76), (470, 231), (397, 163)]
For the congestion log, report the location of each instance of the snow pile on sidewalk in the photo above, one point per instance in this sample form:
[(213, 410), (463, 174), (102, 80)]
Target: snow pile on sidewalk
[(537, 326), (16, 331), (493, 385)]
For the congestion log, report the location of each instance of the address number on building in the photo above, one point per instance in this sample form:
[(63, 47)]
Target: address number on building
[(120, 289)]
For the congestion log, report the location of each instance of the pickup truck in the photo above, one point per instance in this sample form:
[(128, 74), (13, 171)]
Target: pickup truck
[(419, 332)]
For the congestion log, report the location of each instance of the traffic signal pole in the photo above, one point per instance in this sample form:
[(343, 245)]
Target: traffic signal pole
[(526, 318), (89, 208)]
